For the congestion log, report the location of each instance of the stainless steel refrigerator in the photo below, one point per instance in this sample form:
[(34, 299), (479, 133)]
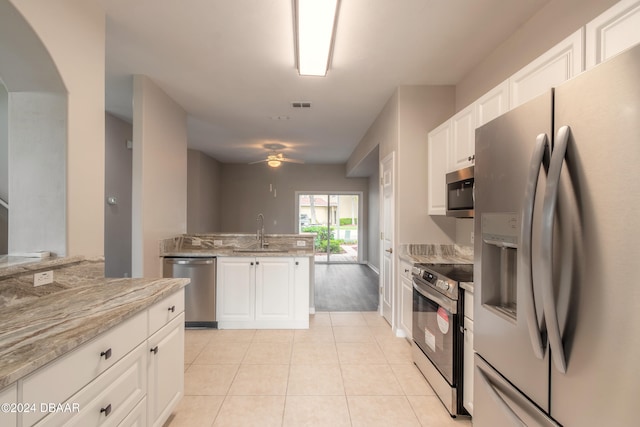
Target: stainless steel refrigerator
[(557, 256)]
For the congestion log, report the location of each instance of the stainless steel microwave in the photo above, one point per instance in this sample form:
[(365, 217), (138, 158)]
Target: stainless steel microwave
[(460, 186)]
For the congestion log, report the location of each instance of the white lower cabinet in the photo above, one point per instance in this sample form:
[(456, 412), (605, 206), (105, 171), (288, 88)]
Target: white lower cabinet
[(406, 299), (108, 399), (165, 361), (123, 377), (274, 289), (9, 395), (137, 417), (263, 292)]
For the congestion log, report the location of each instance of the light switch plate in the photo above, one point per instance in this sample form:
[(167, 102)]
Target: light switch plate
[(43, 278)]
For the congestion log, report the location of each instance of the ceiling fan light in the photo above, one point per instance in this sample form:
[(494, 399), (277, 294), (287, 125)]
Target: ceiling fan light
[(274, 163), (315, 29)]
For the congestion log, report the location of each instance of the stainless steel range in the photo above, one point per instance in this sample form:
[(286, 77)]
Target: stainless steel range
[(438, 312)]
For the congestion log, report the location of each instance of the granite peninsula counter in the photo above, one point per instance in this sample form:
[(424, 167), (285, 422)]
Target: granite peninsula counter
[(37, 325)]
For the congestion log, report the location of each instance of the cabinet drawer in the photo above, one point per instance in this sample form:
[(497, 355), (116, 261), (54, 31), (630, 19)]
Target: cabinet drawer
[(110, 398), (165, 310), (60, 379), (9, 395), (137, 417), (468, 304), (405, 270)]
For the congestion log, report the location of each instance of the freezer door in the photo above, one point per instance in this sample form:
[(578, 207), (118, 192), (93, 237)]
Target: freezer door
[(498, 404), (503, 313), (599, 308)]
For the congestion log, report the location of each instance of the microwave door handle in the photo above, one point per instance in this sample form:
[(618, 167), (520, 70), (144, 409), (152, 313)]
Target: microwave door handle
[(546, 248), (524, 254)]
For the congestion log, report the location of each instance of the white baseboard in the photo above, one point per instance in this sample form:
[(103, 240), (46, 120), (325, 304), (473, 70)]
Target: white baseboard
[(371, 266)]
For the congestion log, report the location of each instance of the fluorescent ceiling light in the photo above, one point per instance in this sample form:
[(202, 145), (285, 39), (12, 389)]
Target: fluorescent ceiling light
[(315, 27)]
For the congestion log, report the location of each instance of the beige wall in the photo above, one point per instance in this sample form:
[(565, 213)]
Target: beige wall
[(553, 23), (245, 193), (73, 32), (402, 127), (203, 193), (159, 174), (420, 108)]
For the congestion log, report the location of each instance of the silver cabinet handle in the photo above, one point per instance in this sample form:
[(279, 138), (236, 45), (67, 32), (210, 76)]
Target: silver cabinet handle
[(390, 250), (524, 254), (546, 248)]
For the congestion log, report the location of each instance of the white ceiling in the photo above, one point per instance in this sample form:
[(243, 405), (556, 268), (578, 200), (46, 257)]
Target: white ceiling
[(230, 64)]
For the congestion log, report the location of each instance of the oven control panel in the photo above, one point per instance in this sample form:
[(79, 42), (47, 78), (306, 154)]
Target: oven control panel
[(442, 283)]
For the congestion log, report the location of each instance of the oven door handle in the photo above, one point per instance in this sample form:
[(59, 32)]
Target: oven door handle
[(435, 296)]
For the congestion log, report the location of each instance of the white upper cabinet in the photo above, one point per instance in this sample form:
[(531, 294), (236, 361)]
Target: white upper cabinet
[(612, 32), (492, 104), (437, 166), (463, 133), (560, 63)]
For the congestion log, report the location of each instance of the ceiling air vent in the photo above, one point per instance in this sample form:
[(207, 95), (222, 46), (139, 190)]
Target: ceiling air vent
[(301, 104)]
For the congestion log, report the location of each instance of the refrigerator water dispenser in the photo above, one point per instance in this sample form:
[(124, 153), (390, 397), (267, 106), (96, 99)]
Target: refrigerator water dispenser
[(500, 233)]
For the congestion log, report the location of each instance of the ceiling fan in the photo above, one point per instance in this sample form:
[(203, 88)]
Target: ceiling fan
[(276, 159)]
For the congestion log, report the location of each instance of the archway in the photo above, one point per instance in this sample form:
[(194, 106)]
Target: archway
[(34, 125)]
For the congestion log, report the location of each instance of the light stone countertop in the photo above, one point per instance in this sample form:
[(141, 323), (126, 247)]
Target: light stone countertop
[(435, 254), (237, 244), (36, 329)]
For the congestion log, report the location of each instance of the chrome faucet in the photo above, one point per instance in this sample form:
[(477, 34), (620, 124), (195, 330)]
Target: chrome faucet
[(260, 232)]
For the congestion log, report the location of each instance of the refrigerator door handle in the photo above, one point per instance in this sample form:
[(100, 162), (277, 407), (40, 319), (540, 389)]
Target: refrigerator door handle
[(517, 421), (546, 249), (524, 254)]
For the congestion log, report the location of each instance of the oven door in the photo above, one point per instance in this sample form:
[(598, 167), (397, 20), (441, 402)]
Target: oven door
[(434, 327)]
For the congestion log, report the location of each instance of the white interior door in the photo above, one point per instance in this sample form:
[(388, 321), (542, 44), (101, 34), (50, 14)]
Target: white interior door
[(387, 227)]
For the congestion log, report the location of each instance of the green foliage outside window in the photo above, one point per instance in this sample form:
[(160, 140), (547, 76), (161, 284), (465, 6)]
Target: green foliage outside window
[(322, 239)]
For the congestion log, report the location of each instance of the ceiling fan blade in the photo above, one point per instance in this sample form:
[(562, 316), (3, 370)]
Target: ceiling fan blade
[(257, 161), (286, 159)]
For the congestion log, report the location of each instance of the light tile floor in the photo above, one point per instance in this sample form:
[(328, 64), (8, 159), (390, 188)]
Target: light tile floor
[(347, 369)]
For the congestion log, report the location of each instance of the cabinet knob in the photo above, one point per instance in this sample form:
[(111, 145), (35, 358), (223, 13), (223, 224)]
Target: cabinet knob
[(406, 270), (154, 350), (251, 262), (257, 262), (106, 410), (469, 158), (172, 308), (297, 262), (106, 354)]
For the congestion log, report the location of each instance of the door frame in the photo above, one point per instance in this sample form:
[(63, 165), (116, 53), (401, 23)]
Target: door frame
[(362, 238), (391, 160)]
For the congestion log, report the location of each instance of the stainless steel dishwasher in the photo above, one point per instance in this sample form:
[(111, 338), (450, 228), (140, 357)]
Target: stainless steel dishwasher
[(200, 294)]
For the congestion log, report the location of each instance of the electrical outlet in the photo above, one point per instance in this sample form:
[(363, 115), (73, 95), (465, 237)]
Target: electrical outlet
[(43, 278), (301, 243)]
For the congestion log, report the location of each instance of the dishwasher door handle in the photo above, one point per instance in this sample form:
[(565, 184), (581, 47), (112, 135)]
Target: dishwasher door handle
[(189, 261)]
